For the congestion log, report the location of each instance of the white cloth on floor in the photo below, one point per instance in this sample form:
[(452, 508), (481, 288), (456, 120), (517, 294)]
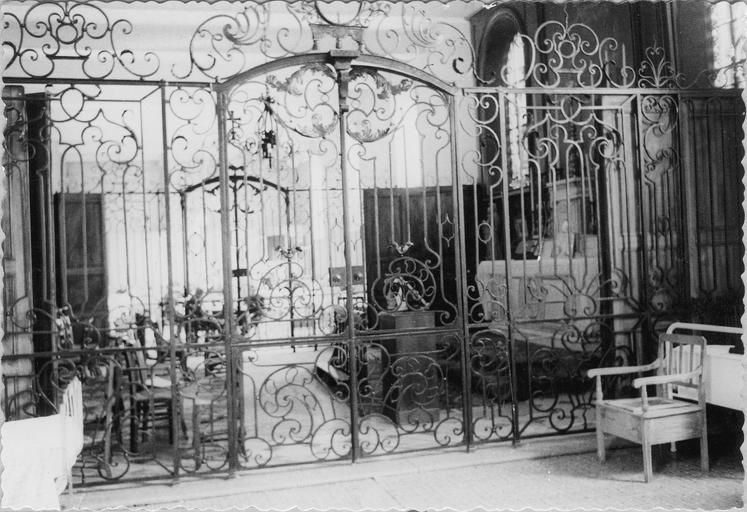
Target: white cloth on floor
[(38, 454)]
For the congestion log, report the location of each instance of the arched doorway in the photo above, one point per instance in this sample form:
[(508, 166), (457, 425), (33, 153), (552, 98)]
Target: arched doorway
[(340, 258)]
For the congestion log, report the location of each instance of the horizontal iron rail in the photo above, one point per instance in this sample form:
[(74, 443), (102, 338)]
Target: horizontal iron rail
[(610, 316), (362, 336), (62, 354), (607, 91), (9, 80), (602, 91), (239, 343), (93, 100)]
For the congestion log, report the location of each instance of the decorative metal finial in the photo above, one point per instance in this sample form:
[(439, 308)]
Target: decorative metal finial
[(288, 252), (402, 249)]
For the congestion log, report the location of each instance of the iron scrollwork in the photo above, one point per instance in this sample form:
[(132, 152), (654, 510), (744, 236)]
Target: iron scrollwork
[(81, 39), (409, 396), (491, 385), (408, 399), (50, 36), (291, 406)]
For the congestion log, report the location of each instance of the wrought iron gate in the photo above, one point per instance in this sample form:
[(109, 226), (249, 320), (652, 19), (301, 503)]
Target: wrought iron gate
[(334, 254), (338, 174), (582, 245)]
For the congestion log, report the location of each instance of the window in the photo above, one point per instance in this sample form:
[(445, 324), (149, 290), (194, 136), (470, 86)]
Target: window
[(728, 30)]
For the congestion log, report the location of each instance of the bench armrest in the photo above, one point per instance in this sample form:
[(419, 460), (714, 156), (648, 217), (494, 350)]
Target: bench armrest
[(621, 370), (664, 379)]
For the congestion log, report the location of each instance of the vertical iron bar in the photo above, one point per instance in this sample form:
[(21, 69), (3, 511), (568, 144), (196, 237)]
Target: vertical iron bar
[(377, 227), (392, 230), (725, 187), (185, 241), (228, 328), (343, 66), (159, 253), (605, 229), (125, 225), (145, 213), (287, 249), (642, 214), (49, 252), (170, 278), (626, 220), (507, 248), (312, 239), (688, 193), (84, 237), (62, 242), (51, 236), (710, 154), (249, 290), (461, 266), (408, 230), (237, 250)]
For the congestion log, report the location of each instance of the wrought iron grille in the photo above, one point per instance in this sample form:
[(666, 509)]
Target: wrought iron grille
[(304, 237)]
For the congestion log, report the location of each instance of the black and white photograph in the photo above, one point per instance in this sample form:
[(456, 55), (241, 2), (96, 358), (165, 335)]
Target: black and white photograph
[(372, 255)]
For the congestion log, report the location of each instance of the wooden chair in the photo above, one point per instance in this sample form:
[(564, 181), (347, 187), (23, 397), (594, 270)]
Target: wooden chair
[(102, 428), (664, 418), (152, 399), (163, 346)]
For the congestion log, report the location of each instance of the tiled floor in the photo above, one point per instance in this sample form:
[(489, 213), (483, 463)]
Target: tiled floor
[(542, 474)]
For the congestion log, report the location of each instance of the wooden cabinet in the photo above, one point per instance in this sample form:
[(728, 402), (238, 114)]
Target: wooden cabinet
[(406, 320)]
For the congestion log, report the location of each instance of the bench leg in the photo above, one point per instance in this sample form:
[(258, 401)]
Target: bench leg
[(648, 469), (600, 437), (704, 465)]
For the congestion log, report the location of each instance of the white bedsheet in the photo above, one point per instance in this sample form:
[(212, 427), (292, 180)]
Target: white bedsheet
[(38, 454)]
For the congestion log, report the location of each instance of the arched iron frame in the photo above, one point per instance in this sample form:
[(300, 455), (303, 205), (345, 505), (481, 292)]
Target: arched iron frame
[(342, 61)]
